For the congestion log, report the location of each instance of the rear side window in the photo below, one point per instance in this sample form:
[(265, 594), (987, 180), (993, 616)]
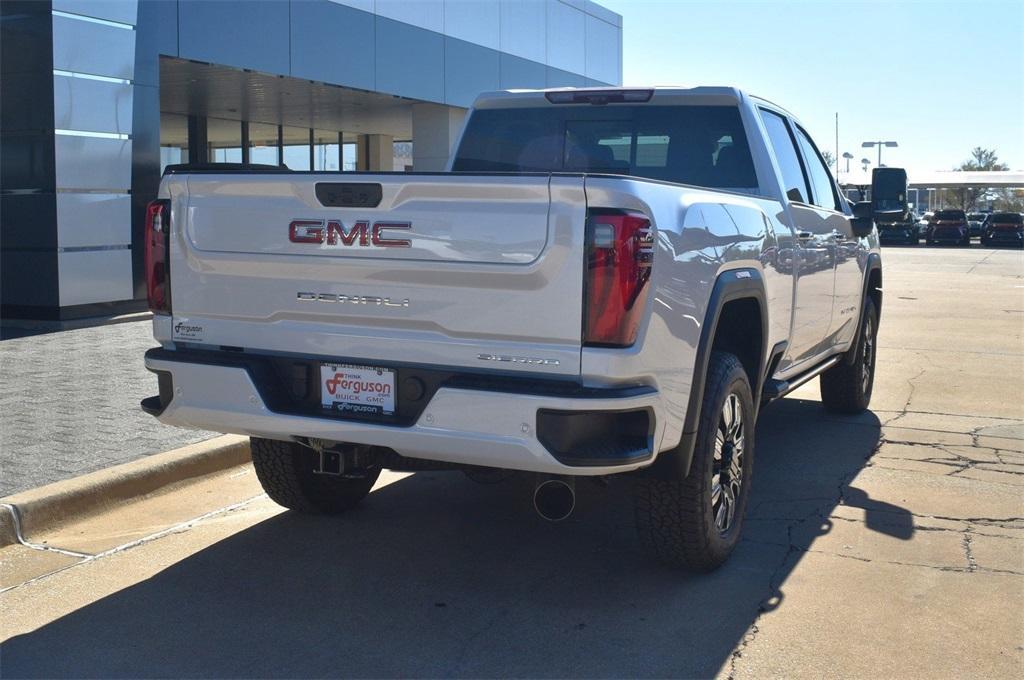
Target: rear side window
[(821, 181), (785, 153), (699, 145)]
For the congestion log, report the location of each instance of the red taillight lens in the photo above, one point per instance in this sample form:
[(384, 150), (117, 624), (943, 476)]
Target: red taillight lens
[(620, 252), (158, 240)]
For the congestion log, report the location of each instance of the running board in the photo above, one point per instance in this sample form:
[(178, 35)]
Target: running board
[(776, 389)]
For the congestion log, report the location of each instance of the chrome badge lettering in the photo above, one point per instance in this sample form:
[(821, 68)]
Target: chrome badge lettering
[(534, 361), (360, 234), (372, 300)]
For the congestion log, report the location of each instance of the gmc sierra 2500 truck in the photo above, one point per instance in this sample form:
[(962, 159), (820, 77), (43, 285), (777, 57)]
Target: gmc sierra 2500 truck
[(606, 282)]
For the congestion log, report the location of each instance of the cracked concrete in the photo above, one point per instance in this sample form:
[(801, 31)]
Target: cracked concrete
[(888, 544)]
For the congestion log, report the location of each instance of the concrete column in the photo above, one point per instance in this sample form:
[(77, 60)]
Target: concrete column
[(435, 130), (380, 153)]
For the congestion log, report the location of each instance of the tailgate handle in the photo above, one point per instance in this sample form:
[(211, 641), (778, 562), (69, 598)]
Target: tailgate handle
[(349, 194)]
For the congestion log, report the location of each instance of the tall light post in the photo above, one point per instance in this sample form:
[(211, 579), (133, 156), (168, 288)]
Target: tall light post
[(879, 144), (848, 156), (865, 163)]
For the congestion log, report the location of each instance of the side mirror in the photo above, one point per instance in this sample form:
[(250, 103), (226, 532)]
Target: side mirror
[(863, 222)]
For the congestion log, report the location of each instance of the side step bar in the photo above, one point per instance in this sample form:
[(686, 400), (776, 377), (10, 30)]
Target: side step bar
[(776, 389)]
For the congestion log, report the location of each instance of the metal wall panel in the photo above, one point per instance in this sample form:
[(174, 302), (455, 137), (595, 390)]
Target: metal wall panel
[(121, 11), (594, 9), (245, 33), (602, 51), (410, 61), (95, 276), (566, 37), (365, 5), (523, 28), (521, 73), (428, 14), (559, 78), (473, 21), (468, 70), (97, 49), (93, 220), (93, 163), (93, 105), (318, 53), (164, 16)]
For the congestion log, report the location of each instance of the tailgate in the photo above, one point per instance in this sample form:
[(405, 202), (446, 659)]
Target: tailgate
[(477, 271)]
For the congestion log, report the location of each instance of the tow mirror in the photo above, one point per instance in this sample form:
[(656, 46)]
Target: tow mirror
[(889, 194), (863, 221)]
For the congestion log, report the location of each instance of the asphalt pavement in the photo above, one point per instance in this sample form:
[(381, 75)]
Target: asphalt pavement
[(889, 544)]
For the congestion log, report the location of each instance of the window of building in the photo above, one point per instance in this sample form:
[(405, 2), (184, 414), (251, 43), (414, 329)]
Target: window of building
[(173, 139), (821, 180), (785, 153), (326, 151), (403, 156), (223, 140), (296, 148), (350, 157), (263, 147)]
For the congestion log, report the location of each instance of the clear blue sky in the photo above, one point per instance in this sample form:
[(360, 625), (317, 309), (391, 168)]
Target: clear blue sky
[(938, 77)]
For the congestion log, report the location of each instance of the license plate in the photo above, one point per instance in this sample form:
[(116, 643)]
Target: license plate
[(361, 390)]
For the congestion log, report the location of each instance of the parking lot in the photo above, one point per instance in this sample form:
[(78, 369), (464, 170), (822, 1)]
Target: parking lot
[(887, 544)]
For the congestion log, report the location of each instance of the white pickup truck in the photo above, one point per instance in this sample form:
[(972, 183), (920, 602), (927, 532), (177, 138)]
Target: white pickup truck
[(607, 282)]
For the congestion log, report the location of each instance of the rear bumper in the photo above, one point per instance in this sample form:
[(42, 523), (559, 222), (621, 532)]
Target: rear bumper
[(596, 432)]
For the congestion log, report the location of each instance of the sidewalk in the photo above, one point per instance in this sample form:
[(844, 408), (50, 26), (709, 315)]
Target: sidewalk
[(69, 404)]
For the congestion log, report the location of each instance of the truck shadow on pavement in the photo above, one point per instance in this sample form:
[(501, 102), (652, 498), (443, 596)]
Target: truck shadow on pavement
[(437, 576)]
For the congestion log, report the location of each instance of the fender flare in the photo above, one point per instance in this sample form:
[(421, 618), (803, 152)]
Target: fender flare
[(874, 263), (735, 284)]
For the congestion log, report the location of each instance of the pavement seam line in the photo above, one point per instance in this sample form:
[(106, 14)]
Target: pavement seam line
[(16, 522), (87, 559)]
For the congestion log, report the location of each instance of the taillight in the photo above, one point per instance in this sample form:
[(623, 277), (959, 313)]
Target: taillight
[(158, 243), (620, 252)]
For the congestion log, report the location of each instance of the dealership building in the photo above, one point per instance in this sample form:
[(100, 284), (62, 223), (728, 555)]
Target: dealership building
[(98, 96)]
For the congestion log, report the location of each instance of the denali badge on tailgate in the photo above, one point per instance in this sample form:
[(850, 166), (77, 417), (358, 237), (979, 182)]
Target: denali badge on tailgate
[(352, 299), (333, 232)]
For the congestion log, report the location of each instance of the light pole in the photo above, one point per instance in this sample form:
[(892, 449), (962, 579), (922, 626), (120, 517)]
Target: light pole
[(865, 163), (847, 155), (868, 145)]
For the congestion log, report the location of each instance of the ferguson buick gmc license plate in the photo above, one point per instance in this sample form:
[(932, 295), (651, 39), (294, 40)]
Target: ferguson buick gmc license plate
[(360, 390)]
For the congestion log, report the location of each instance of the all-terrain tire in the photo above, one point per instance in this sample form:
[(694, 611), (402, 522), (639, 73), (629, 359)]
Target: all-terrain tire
[(676, 518), (285, 470), (846, 387)]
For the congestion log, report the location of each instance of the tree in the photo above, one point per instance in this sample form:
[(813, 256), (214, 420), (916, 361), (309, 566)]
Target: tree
[(981, 159), (829, 158)]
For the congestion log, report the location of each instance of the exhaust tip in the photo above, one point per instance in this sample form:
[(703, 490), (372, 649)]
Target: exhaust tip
[(554, 500)]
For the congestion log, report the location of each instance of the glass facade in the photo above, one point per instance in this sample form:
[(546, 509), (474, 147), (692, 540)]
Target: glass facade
[(263, 144), (223, 140)]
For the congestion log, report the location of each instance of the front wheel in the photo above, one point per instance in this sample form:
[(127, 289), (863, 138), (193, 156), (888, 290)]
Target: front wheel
[(694, 522), (286, 472), (846, 387)]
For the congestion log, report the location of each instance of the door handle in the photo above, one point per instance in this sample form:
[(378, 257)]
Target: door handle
[(804, 235)]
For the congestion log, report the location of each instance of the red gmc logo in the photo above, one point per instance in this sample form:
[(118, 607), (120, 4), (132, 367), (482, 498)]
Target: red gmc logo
[(333, 232)]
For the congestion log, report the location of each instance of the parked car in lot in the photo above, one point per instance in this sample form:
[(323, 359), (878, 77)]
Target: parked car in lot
[(905, 231), (609, 282), (948, 227), (974, 222), (1003, 228)]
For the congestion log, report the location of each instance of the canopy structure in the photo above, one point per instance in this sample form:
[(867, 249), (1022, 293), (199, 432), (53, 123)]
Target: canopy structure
[(946, 179)]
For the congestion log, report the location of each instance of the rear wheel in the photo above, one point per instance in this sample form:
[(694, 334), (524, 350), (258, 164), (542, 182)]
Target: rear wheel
[(846, 387), (694, 522), (286, 472)]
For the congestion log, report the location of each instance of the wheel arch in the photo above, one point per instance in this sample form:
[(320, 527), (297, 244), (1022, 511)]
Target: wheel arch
[(735, 320)]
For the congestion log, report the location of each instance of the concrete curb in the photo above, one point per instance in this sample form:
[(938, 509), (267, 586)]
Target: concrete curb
[(42, 509)]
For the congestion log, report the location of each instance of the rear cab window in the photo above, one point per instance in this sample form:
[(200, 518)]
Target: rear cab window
[(689, 144), (1006, 218), (949, 216)]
